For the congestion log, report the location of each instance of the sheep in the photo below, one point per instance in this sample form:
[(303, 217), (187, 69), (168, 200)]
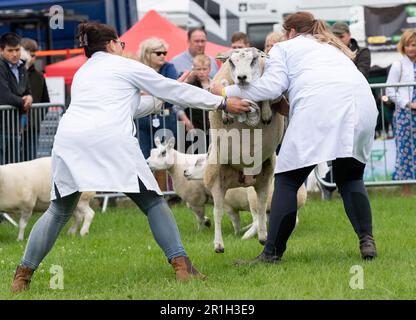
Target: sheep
[(224, 171), (247, 197), (26, 186), (193, 192)]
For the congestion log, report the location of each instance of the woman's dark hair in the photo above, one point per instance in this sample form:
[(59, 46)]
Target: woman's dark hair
[(94, 36)]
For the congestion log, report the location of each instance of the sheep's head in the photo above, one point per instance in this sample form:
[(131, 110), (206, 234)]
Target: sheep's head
[(244, 65), (196, 171), (162, 157)]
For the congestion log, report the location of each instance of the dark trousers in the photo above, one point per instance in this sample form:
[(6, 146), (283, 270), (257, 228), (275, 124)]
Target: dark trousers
[(348, 175)]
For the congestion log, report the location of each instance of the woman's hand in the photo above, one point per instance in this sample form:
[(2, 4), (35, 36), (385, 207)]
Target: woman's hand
[(237, 105), (412, 105), (216, 89)]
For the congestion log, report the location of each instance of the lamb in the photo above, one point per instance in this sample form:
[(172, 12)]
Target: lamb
[(247, 197), (193, 192), (228, 168), (26, 186)]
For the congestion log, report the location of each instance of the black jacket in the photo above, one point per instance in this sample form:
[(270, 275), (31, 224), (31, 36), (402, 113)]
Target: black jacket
[(11, 92), (362, 58), (38, 86)]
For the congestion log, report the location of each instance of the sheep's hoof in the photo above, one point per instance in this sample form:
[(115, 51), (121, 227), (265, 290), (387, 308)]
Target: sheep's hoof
[(227, 121), (83, 234), (267, 121), (219, 249), (262, 242), (207, 223)]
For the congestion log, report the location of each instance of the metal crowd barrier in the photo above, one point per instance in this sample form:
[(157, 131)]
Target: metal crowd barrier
[(380, 167), (29, 136)]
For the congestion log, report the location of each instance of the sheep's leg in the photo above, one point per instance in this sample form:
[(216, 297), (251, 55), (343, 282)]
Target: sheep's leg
[(218, 197), (78, 216), (266, 112), (199, 212), (252, 201), (88, 217), (235, 218), (24, 218), (227, 118)]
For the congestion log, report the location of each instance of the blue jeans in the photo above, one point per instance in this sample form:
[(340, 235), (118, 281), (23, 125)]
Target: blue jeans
[(47, 228)]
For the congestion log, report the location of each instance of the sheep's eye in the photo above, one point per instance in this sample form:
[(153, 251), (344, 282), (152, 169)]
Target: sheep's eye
[(253, 62), (231, 63), (163, 153)]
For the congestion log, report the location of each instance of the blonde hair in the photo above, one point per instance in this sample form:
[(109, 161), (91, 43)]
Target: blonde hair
[(202, 59), (274, 36), (407, 37), (148, 46), (305, 23)]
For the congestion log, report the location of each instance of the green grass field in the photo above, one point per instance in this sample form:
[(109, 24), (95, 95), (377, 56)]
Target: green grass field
[(120, 260)]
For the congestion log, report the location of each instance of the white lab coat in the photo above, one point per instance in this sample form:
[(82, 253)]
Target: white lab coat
[(95, 148), (332, 111), (401, 71)]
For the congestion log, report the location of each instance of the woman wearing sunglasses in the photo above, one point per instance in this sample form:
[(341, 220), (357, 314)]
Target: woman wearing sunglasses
[(152, 52), (95, 148)]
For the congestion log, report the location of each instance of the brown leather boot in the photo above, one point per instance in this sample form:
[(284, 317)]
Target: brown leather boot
[(21, 279), (185, 270)]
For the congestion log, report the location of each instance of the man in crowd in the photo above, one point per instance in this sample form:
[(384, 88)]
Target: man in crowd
[(14, 91), (239, 40), (197, 40), (362, 55), (40, 95)]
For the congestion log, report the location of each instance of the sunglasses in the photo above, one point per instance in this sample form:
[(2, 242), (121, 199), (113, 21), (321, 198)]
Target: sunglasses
[(159, 53)]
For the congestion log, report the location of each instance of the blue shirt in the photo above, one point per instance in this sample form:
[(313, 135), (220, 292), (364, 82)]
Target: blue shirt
[(183, 62), (15, 69)]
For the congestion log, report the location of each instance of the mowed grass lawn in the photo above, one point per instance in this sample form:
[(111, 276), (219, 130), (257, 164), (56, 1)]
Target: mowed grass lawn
[(120, 260)]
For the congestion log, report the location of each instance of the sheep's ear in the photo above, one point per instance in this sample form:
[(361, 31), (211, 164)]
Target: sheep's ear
[(258, 53), (157, 141), (223, 57), (171, 143)]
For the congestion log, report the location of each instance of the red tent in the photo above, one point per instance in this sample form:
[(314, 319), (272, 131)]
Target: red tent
[(151, 25)]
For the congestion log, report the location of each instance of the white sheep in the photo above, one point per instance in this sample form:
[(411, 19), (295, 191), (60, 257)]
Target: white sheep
[(246, 197), (227, 163), (193, 192), (26, 187)]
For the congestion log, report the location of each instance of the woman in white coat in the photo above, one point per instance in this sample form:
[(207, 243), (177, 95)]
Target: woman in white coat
[(95, 147), (332, 116), (404, 115)]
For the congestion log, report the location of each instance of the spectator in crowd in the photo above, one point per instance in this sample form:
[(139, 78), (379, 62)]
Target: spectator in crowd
[(40, 95), (95, 147), (362, 55), (14, 91), (239, 40), (338, 126), (197, 40), (36, 78), (198, 119), (363, 62), (404, 117), (152, 52), (272, 38)]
